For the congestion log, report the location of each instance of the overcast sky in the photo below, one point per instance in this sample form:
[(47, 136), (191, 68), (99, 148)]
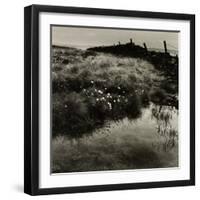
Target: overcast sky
[(88, 37)]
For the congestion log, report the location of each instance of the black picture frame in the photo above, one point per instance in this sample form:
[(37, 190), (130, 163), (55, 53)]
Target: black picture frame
[(31, 98)]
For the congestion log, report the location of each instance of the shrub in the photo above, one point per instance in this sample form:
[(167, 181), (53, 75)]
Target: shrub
[(70, 115), (169, 87), (74, 70), (57, 67), (158, 96), (145, 98), (132, 78), (88, 53), (133, 107)]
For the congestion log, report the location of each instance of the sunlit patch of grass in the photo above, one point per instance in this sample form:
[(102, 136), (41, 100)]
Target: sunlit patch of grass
[(131, 70)]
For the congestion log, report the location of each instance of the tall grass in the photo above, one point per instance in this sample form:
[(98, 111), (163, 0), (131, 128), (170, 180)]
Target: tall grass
[(92, 91), (92, 88)]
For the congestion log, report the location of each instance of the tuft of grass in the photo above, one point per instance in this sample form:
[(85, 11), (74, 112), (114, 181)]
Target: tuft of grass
[(158, 96)]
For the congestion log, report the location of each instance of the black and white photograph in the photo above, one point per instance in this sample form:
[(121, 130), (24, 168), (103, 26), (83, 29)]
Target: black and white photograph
[(109, 99), (114, 99)]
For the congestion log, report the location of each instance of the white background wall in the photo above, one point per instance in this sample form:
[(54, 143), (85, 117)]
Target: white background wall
[(11, 98)]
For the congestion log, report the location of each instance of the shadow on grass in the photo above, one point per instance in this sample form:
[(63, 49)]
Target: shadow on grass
[(105, 153)]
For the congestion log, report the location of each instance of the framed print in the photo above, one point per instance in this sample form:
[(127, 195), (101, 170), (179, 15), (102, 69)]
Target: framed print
[(109, 99)]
